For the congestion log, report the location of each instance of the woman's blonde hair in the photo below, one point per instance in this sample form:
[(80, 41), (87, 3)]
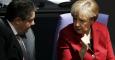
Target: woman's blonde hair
[(85, 9)]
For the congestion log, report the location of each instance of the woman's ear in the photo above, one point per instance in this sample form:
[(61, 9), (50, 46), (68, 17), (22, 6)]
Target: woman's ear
[(94, 19)]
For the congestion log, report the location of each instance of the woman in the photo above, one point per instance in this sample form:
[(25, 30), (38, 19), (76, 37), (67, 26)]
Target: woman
[(85, 39)]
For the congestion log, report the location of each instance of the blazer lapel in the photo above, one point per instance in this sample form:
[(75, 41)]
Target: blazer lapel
[(96, 37)]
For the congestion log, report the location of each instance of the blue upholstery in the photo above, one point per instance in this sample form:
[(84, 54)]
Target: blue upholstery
[(103, 18)]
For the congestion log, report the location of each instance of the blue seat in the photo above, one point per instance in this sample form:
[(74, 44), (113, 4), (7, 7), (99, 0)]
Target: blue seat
[(103, 18)]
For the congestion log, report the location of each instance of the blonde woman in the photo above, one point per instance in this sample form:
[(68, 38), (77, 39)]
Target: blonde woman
[(84, 39)]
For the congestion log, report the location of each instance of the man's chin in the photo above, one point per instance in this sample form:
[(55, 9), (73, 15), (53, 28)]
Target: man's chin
[(26, 30)]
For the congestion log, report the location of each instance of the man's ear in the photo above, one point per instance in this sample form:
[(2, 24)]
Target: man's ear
[(17, 20)]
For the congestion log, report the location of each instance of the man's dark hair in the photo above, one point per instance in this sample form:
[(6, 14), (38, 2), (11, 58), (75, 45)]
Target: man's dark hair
[(20, 8)]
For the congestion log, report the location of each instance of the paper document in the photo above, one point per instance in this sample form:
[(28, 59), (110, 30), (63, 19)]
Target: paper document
[(59, 1)]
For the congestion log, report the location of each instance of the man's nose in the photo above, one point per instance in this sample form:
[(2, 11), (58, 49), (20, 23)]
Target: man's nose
[(33, 23)]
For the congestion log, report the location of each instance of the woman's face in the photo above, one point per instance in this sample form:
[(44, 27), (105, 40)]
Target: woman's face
[(82, 26)]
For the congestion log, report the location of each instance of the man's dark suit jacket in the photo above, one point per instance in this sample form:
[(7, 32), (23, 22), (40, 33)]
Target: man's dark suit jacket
[(9, 47)]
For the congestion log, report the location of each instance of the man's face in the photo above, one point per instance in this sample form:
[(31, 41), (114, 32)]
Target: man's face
[(82, 26), (24, 25)]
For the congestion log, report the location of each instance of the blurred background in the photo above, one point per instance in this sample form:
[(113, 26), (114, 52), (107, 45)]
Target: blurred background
[(48, 19)]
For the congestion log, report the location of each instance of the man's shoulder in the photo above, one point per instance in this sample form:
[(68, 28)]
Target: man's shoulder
[(4, 29)]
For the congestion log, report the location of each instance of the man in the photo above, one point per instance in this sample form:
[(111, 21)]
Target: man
[(84, 39), (19, 18)]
